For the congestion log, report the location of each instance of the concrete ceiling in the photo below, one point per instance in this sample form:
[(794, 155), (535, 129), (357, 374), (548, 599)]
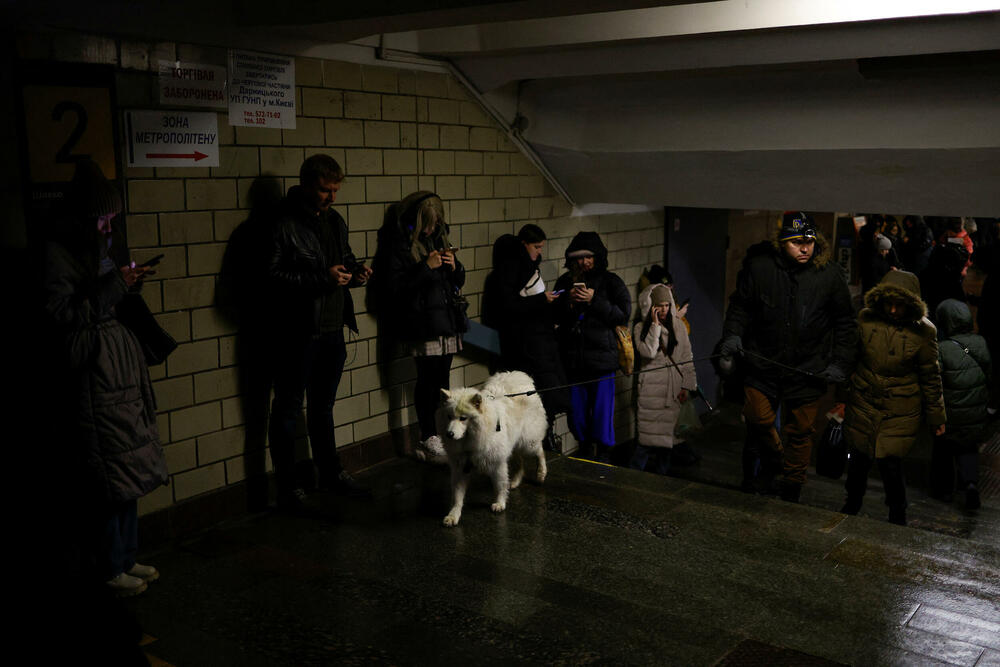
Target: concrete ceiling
[(887, 105)]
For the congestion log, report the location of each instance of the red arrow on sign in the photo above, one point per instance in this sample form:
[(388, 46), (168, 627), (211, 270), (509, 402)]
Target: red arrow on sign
[(197, 155)]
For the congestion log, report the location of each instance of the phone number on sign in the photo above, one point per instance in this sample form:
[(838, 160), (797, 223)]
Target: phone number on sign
[(260, 117)]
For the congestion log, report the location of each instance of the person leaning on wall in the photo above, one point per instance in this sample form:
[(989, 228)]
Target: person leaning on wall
[(592, 302), (310, 270), (111, 445), (517, 304), (418, 300)]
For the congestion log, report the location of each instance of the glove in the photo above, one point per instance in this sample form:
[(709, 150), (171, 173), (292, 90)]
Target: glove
[(832, 374), (731, 345)]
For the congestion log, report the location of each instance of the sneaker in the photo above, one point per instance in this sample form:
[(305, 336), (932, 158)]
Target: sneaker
[(145, 572), (125, 585), (346, 485), (432, 449), (292, 500)]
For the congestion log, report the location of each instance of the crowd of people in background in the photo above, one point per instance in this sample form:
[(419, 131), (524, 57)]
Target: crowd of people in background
[(909, 360)]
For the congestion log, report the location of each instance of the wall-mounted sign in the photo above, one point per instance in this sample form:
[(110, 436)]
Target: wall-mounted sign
[(192, 84), (64, 124), (172, 138), (261, 90), (66, 113)]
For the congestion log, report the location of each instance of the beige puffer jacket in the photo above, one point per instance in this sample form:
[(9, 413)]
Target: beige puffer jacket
[(658, 388)]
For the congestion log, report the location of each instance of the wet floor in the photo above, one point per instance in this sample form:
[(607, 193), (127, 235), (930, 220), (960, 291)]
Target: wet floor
[(600, 565)]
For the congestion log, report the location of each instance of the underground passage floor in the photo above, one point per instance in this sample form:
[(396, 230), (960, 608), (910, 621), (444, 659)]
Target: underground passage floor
[(600, 565)]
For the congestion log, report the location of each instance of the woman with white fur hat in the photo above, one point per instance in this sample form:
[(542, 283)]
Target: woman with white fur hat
[(668, 378)]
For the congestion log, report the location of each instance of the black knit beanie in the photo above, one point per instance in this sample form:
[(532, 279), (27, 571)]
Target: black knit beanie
[(91, 195)]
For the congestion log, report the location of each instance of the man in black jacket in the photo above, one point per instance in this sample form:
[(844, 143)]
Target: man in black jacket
[(310, 269), (791, 307)]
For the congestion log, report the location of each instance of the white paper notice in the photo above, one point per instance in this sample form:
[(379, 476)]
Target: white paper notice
[(261, 90), (192, 84), (172, 138)]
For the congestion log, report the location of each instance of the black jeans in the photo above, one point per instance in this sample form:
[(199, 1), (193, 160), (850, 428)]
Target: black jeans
[(432, 376), (949, 456), (307, 367)]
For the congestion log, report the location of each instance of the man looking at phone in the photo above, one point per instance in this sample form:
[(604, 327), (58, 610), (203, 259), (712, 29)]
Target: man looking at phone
[(792, 307), (310, 270)]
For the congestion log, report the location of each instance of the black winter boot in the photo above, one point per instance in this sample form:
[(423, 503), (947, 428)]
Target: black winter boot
[(972, 501), (852, 506), (897, 515), (790, 491)]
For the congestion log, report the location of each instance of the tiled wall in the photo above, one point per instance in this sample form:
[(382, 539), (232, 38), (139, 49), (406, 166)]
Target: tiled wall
[(394, 131)]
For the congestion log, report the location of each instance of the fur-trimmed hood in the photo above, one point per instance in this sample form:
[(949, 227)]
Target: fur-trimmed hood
[(897, 285), (821, 253)]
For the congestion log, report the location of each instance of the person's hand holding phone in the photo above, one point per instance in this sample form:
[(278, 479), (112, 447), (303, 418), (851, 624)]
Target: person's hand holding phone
[(581, 293), (340, 273), (362, 273), (133, 274), (448, 258)]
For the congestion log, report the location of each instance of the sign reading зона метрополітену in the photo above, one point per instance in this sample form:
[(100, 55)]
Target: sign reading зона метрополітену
[(172, 138), (261, 90)]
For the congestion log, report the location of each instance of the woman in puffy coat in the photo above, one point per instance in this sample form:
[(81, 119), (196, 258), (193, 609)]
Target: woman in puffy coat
[(419, 279), (965, 376), (113, 447), (895, 388), (592, 302), (662, 343)]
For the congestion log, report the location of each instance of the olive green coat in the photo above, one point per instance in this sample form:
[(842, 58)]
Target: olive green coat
[(896, 385)]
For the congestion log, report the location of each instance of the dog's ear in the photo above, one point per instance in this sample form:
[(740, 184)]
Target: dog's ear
[(445, 394), (477, 401)]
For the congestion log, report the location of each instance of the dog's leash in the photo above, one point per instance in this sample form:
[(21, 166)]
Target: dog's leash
[(659, 368)]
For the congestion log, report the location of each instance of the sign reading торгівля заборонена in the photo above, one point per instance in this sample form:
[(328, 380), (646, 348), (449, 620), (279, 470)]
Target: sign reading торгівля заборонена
[(261, 90), (192, 84)]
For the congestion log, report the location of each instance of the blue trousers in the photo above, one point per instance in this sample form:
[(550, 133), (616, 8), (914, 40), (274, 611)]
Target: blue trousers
[(592, 417), (118, 539), (310, 368)]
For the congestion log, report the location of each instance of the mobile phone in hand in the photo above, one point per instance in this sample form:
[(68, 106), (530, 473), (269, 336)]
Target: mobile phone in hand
[(154, 261)]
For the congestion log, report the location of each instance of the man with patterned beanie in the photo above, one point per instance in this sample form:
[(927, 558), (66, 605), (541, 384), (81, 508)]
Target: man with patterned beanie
[(790, 318)]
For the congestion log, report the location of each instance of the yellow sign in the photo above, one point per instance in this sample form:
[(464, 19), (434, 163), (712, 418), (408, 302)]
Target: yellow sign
[(65, 123)]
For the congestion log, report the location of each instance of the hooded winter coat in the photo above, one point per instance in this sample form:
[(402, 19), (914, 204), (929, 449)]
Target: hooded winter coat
[(113, 413), (413, 298), (965, 373), (798, 315), (661, 379), (526, 323), (587, 331), (896, 385)]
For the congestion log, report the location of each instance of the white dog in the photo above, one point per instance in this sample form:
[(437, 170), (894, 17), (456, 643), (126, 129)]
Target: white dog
[(483, 429)]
